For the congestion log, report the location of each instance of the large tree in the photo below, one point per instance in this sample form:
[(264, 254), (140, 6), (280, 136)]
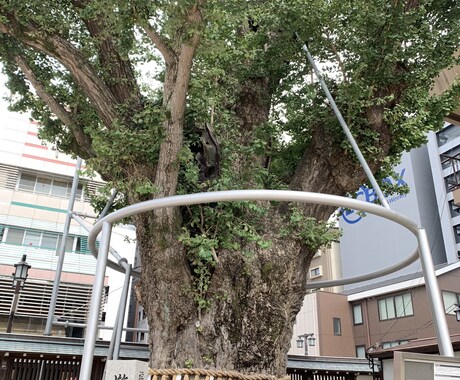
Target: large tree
[(238, 108)]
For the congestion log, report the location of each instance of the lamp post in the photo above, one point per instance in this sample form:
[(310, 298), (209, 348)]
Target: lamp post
[(306, 340), (19, 278), (373, 363)]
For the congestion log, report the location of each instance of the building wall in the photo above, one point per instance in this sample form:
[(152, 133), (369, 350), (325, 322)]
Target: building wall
[(334, 306), (306, 323), (390, 332), (370, 243), (327, 262), (22, 153), (446, 142)]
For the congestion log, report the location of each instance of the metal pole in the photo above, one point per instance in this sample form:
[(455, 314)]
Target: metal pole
[(434, 296), (61, 250), (109, 204), (93, 317), (14, 306), (113, 339), (121, 313), (345, 128), (116, 325)]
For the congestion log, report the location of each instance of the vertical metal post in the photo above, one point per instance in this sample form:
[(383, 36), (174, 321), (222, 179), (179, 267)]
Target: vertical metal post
[(61, 250), (124, 263), (95, 306), (121, 313), (346, 130), (113, 339), (434, 296), (14, 306)]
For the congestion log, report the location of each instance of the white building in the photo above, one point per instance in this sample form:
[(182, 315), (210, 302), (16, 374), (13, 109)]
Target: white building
[(35, 183)]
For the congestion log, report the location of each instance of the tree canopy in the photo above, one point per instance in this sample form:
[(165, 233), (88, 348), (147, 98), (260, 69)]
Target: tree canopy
[(238, 107)]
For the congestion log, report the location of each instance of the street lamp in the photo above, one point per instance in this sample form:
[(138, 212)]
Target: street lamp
[(306, 340), (19, 278)]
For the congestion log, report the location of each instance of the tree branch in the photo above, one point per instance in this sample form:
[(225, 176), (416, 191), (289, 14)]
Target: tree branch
[(122, 83), (54, 106), (177, 79), (161, 44), (337, 56), (83, 141), (62, 50)]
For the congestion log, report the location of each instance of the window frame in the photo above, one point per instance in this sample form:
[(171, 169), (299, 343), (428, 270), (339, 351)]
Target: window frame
[(317, 269), (75, 243), (336, 322), (65, 193), (391, 307), (357, 348), (353, 308), (457, 296)]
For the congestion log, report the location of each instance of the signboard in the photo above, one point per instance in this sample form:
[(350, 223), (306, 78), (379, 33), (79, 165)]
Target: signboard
[(126, 370), (412, 366)]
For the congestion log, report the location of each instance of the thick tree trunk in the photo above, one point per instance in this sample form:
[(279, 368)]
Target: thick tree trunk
[(254, 298)]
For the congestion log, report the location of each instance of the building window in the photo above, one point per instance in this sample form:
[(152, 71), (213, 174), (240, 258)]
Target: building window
[(44, 240), (337, 326), (450, 299), (47, 186), (357, 314), (360, 351), (448, 133), (394, 343), (457, 233), (315, 272), (395, 307)]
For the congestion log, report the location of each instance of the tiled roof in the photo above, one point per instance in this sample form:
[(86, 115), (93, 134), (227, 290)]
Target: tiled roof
[(329, 364), (65, 346)]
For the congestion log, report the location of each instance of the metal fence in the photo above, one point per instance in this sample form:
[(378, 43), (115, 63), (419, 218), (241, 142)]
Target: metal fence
[(46, 369)]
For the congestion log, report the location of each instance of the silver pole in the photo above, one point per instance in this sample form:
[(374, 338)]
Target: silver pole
[(346, 130), (93, 317), (259, 195), (121, 313), (61, 250), (109, 204), (113, 339), (434, 296)]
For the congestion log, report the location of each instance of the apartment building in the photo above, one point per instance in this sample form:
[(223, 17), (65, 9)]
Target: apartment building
[(397, 313)]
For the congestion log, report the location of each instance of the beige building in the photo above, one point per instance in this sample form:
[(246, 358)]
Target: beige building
[(35, 184)]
